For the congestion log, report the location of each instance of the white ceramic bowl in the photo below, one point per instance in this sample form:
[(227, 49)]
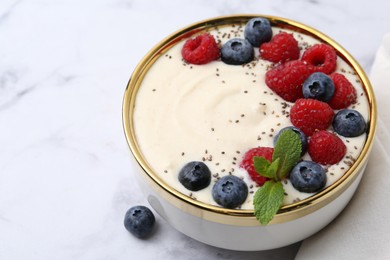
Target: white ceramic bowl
[(239, 229)]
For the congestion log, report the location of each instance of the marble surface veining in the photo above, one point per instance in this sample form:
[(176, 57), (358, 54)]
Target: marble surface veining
[(65, 171)]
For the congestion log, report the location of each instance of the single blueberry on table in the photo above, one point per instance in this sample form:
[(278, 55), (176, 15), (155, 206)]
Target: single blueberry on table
[(230, 191), (257, 31), (308, 176), (237, 51), (139, 221), (349, 123), (302, 136), (318, 86), (195, 176)]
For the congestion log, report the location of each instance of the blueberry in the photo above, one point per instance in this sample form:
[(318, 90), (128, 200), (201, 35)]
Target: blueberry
[(318, 86), (139, 221), (230, 191), (349, 123), (308, 176), (237, 51), (302, 136), (257, 31), (195, 176)]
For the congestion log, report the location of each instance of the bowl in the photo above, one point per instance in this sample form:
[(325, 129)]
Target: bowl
[(238, 229)]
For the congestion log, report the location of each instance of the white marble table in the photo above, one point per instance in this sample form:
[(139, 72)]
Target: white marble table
[(65, 178)]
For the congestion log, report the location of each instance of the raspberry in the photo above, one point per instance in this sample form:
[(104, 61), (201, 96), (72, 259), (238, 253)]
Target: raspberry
[(287, 79), (282, 47), (321, 57), (201, 49), (311, 115), (326, 148), (247, 162), (344, 94)]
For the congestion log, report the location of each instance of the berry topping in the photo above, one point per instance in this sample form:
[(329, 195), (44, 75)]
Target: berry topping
[(195, 176), (311, 115), (345, 93), (318, 86), (201, 49), (308, 176), (257, 31), (326, 148), (237, 51), (301, 135), (287, 79), (322, 57), (283, 47), (139, 221), (247, 162), (230, 191), (349, 123)]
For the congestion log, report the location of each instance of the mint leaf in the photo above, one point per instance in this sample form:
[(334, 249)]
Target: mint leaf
[(288, 150), (269, 197), (273, 169), (261, 166), (267, 201)]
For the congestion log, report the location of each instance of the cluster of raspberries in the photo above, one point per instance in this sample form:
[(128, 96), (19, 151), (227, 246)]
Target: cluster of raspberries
[(313, 117), (310, 115), (286, 78)]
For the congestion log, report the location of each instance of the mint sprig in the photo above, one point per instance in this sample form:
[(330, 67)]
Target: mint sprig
[(269, 197), (268, 201)]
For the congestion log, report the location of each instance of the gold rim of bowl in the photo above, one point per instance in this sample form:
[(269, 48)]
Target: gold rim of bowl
[(235, 216)]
